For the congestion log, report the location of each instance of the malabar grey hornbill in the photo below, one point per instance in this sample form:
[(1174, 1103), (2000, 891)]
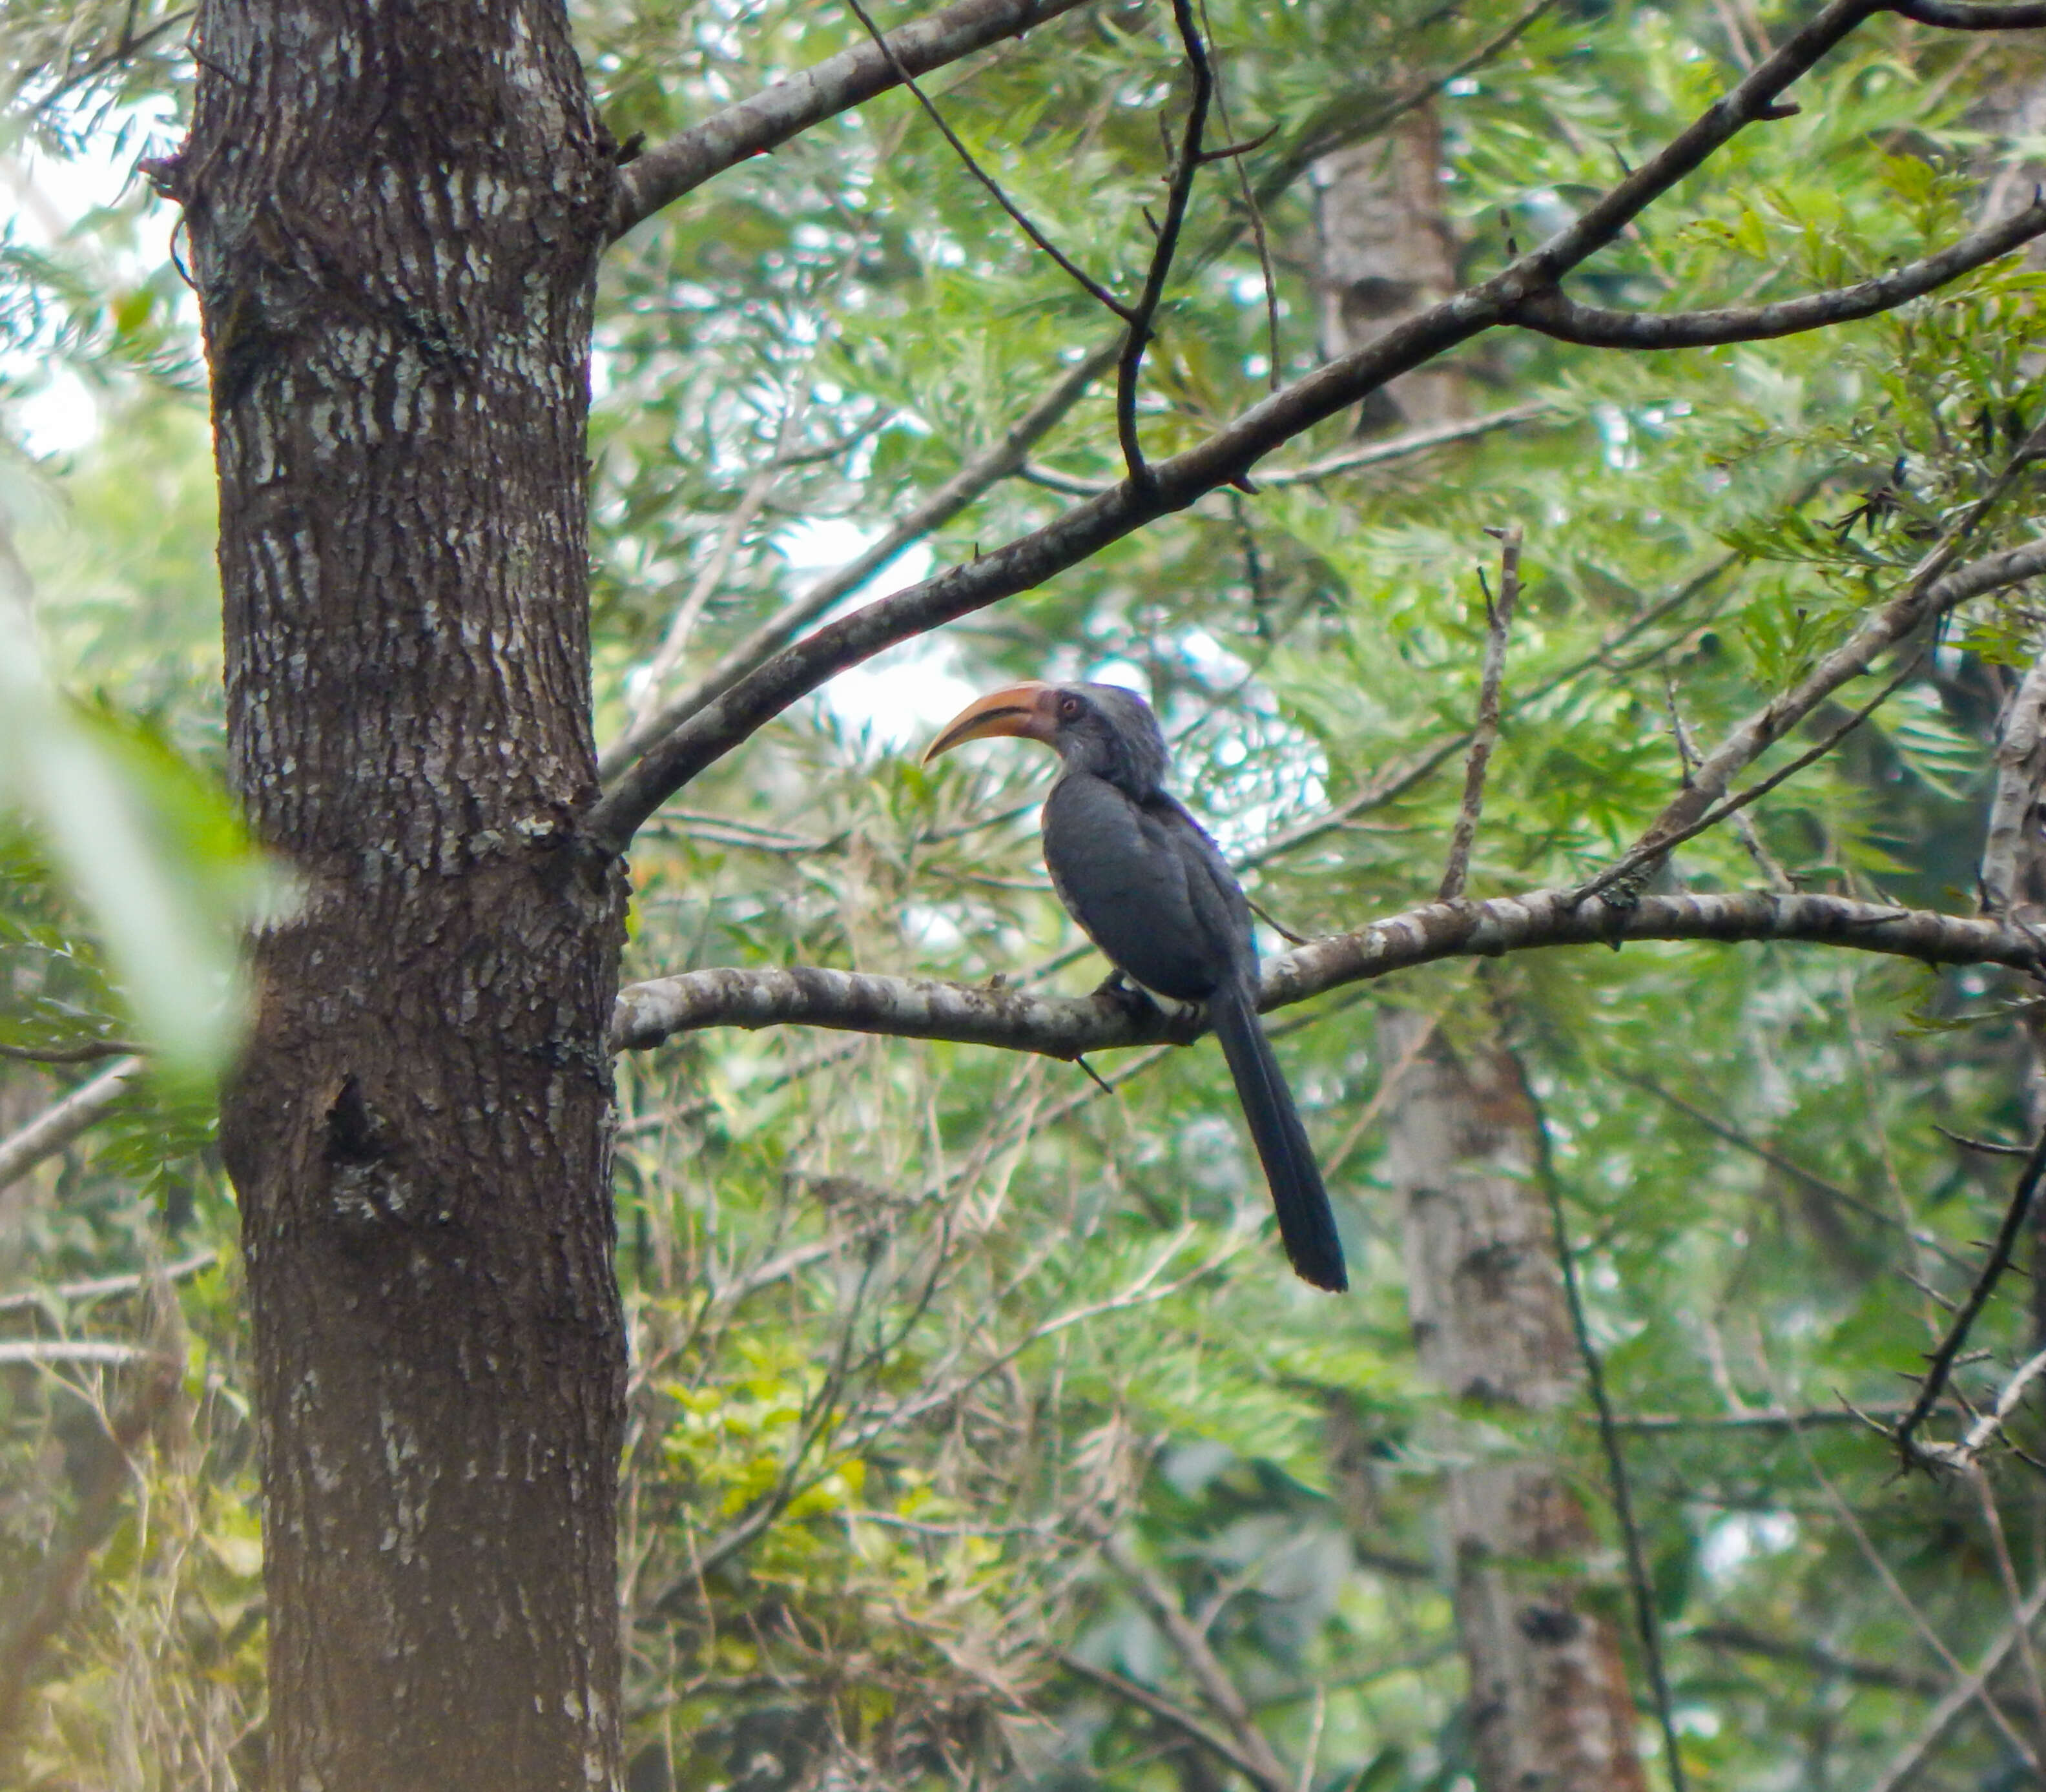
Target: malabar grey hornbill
[(1135, 870)]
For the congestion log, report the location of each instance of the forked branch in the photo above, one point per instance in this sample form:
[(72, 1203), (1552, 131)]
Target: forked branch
[(1225, 457)]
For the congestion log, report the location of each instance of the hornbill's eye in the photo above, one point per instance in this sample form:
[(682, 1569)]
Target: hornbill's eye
[(1069, 708)]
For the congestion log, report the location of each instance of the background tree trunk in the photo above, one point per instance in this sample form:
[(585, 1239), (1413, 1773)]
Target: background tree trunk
[(1385, 253), (395, 214), (1549, 1703)]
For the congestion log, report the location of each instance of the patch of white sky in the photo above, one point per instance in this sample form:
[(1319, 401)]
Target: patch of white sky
[(58, 411)]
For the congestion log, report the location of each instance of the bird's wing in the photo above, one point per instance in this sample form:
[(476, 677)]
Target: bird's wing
[(1142, 879)]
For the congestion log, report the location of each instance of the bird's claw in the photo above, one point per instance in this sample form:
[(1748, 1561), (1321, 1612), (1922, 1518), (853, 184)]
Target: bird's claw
[(1132, 998)]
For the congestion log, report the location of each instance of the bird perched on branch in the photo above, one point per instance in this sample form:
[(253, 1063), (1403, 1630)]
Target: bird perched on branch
[(1135, 870)]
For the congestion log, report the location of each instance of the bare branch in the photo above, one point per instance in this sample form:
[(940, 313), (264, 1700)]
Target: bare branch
[(1552, 313), (1225, 457), (1941, 1364), (1971, 1686), (1764, 1421), (997, 462), (1953, 15), (1649, 850), (1222, 1695), (1744, 1639), (1179, 190), (57, 1126), (1063, 1027), (1966, 1453), (752, 127), (71, 1351), (1166, 1712), (103, 1287), (1499, 618)]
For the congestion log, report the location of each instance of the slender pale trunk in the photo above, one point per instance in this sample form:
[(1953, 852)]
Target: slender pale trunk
[(394, 213), (1549, 1703), (1384, 254)]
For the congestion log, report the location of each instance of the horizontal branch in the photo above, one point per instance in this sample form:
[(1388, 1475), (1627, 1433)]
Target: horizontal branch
[(14, 1350), (771, 117), (1063, 1027), (1224, 457), (1552, 313)]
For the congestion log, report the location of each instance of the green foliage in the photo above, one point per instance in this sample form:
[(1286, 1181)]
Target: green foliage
[(914, 1326)]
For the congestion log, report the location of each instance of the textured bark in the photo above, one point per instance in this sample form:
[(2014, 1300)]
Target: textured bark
[(394, 214), (1549, 1703), (1386, 255), (1549, 1706)]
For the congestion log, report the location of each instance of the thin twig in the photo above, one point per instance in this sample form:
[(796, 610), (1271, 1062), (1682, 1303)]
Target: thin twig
[(1766, 861), (1654, 848), (1499, 618), (1949, 1347), (1223, 1697), (1811, 1178), (1256, 212), (2007, 1571), (1179, 190), (710, 575), (1145, 1698), (1970, 1687), (1615, 1457), (1094, 287), (1874, 1556), (1993, 1148)]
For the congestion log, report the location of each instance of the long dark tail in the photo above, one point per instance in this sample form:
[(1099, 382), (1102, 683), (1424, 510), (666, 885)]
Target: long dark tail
[(1306, 1226)]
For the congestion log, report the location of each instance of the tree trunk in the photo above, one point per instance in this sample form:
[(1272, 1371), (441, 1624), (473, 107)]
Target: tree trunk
[(394, 214), (1384, 254), (1549, 1703)]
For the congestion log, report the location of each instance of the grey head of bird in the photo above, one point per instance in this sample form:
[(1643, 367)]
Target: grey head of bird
[(1101, 729)]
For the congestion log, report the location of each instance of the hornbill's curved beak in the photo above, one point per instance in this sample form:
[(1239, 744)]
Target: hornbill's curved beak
[(1029, 710)]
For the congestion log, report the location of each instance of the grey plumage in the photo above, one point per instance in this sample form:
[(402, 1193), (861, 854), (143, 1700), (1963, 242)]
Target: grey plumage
[(1140, 875)]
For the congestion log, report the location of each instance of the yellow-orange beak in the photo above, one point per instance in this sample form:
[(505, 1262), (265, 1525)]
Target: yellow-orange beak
[(1028, 709)]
